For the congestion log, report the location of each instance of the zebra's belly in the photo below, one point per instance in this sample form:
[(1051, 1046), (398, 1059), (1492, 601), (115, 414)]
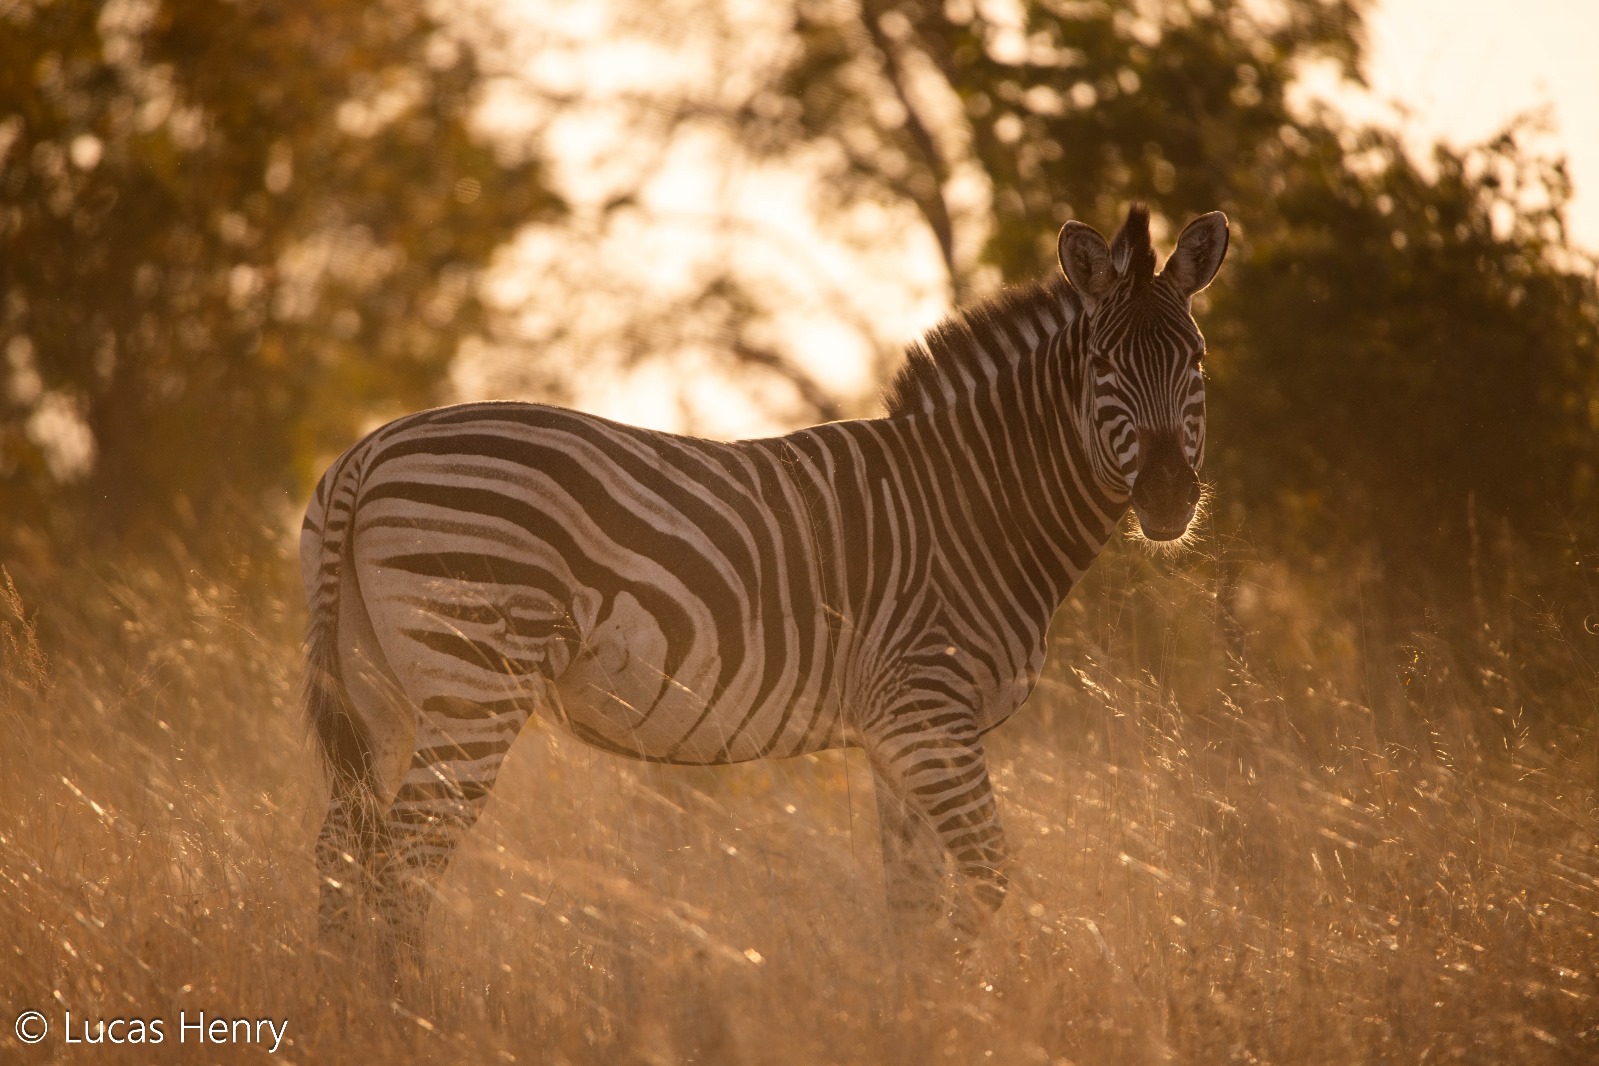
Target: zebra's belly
[(620, 693), (675, 725), (603, 668)]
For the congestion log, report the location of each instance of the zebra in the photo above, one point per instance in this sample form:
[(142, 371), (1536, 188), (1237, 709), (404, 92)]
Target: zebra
[(880, 583)]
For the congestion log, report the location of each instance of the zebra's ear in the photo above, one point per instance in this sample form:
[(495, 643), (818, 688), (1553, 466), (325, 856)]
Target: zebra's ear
[(1199, 253), (1085, 260)]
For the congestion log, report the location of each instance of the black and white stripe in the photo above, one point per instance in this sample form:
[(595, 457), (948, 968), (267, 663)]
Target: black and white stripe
[(883, 583)]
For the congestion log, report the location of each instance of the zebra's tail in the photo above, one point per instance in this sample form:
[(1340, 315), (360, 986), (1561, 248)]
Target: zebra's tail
[(352, 844), (342, 737)]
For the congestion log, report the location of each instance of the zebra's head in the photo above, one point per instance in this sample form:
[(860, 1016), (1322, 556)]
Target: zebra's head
[(1143, 401)]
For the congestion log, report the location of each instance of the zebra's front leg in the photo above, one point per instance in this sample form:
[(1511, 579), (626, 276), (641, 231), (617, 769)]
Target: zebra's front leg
[(934, 798), (914, 869)]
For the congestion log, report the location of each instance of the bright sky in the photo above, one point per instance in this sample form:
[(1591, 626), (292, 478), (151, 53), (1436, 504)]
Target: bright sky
[(1463, 68)]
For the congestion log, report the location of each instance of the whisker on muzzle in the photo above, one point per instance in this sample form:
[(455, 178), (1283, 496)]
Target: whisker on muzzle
[(1191, 536)]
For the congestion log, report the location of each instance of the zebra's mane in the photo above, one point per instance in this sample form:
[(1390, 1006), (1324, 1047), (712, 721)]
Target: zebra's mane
[(974, 345), (1131, 251)]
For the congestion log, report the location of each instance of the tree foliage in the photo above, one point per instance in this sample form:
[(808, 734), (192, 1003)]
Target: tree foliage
[(230, 232), (1411, 352), (1394, 346)]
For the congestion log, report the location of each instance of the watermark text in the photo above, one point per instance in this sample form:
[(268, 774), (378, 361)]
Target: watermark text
[(190, 1027)]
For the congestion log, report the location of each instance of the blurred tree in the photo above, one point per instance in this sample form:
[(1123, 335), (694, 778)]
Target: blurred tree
[(1408, 355), (1021, 116), (1393, 348), (230, 233)]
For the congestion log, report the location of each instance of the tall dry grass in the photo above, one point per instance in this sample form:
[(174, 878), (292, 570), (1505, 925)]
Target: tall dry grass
[(1327, 855)]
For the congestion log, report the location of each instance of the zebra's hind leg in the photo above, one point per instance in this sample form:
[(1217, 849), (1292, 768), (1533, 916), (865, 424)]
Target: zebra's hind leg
[(460, 747), (346, 853)]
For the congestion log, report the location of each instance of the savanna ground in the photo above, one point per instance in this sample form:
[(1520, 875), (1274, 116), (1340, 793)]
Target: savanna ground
[(1329, 855)]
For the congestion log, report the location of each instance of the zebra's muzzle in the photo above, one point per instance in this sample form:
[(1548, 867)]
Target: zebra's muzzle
[(1166, 489)]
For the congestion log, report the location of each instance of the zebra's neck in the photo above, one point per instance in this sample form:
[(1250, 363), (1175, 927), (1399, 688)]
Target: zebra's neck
[(999, 425)]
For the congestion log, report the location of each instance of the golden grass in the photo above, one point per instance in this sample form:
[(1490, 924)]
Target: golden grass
[(1320, 861)]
